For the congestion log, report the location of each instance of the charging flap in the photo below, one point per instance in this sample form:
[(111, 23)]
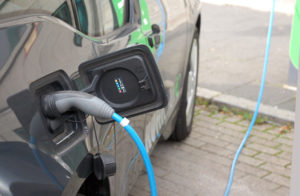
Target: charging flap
[(128, 80)]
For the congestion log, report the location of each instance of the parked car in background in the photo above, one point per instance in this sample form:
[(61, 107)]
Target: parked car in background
[(42, 44)]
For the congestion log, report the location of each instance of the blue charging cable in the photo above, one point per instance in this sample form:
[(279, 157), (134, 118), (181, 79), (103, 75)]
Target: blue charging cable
[(257, 105), (125, 123)]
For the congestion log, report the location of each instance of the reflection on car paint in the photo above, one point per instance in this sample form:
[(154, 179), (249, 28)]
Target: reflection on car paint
[(124, 181), (153, 127), (162, 44), (31, 39)]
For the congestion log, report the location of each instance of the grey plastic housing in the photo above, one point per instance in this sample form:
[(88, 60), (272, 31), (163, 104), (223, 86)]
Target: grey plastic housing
[(57, 103)]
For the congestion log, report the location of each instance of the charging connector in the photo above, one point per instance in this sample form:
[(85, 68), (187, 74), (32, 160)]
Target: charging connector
[(56, 103)]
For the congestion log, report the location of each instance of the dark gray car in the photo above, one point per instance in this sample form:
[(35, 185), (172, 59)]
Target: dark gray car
[(42, 44)]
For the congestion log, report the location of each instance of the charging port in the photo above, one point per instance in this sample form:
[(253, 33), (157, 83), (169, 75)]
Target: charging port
[(70, 125)]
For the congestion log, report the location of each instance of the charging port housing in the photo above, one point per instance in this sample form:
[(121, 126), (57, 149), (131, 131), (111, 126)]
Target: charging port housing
[(128, 80)]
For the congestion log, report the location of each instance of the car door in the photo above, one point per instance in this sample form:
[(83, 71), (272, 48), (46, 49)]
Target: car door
[(172, 60), (164, 24)]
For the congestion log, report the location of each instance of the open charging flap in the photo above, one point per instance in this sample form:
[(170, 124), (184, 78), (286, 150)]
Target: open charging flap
[(128, 80)]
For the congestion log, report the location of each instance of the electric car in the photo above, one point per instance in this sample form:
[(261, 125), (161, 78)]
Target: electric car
[(48, 46)]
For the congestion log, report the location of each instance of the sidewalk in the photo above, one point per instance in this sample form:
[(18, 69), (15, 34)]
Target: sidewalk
[(232, 43), (200, 164)]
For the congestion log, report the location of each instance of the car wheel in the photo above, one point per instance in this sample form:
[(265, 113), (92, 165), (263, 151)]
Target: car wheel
[(186, 111)]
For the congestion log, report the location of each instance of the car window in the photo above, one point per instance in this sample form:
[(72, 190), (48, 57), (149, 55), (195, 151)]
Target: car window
[(99, 17), (63, 13), (57, 8)]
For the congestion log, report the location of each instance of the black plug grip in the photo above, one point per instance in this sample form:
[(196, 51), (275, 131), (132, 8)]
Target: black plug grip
[(48, 107), (104, 166)]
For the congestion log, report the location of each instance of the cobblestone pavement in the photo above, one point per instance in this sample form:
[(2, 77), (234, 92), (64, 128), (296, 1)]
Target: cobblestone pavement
[(200, 164)]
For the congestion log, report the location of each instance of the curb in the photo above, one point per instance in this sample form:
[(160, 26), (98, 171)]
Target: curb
[(273, 114)]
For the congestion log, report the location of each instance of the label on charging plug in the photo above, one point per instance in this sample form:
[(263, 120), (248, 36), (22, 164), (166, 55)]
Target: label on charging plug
[(120, 85)]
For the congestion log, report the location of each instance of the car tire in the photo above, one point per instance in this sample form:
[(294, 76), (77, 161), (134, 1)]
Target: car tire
[(187, 104)]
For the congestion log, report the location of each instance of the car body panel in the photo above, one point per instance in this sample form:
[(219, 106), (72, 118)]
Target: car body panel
[(35, 45)]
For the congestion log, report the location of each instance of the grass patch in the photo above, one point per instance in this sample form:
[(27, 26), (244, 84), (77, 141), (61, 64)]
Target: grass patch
[(201, 101), (197, 112), (245, 115)]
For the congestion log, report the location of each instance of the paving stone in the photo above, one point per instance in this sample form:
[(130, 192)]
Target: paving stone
[(260, 183), (289, 135), (262, 148), (213, 140), (264, 135), (263, 141), (263, 126), (214, 129), (249, 169), (196, 142), (197, 175), (250, 160), (286, 148), (283, 191), (202, 125), (164, 187), (207, 119), (202, 111), (278, 179), (194, 134), (159, 171), (277, 131), (274, 131), (232, 126), (283, 140), (196, 153), (220, 116), (216, 149), (259, 186), (273, 159), (207, 132), (193, 154), (236, 139), (136, 190), (169, 188), (213, 107), (281, 170), (244, 123), (202, 175), (285, 155), (289, 165), (205, 113), (245, 151), (192, 169), (232, 133), (233, 119)]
